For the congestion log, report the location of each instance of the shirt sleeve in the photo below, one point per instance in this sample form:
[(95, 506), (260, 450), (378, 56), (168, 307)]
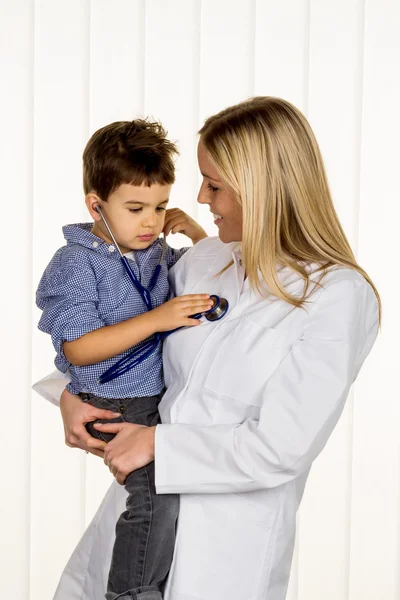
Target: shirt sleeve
[(303, 401), (68, 296)]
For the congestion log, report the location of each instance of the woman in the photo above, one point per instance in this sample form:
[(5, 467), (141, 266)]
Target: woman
[(251, 399)]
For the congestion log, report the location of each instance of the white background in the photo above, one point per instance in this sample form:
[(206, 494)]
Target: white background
[(68, 67)]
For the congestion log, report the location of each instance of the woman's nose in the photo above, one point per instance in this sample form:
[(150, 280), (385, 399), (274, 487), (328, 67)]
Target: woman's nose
[(202, 196)]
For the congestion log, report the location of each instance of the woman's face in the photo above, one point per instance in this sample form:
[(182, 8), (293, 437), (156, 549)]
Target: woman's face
[(221, 199)]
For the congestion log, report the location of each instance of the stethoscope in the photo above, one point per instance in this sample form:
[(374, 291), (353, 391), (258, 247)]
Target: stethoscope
[(136, 357)]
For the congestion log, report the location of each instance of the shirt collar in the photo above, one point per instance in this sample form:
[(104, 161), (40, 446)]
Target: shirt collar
[(79, 233)]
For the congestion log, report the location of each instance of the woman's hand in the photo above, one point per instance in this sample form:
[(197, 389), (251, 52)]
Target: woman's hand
[(177, 221), (75, 415), (131, 449)]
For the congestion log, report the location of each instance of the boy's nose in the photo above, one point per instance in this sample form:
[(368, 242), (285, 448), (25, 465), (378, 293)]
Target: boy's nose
[(150, 220)]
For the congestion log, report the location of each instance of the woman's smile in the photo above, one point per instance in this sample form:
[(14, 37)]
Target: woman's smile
[(217, 218)]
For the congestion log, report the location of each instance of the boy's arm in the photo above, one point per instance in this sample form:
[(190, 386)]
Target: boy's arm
[(111, 340), (68, 297), (177, 221)]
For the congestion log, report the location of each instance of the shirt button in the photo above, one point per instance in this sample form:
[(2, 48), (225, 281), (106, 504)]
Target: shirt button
[(111, 249), (95, 244)]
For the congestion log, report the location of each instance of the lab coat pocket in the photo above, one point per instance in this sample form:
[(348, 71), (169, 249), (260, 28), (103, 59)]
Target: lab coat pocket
[(245, 361), (222, 548)]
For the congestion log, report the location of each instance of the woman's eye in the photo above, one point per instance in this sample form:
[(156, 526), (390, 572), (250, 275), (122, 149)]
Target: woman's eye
[(212, 188), (161, 208)]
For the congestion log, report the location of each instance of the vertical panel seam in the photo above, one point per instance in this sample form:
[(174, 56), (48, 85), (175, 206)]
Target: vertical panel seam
[(143, 40), (198, 86), (88, 88), (252, 45), (88, 64), (297, 554), (359, 120), (397, 582), (357, 199), (31, 263), (306, 94), (307, 43)]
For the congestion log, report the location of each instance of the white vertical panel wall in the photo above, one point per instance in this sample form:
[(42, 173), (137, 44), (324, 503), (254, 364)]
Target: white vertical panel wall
[(60, 127), (334, 111), (67, 68), (16, 118), (115, 78), (375, 502)]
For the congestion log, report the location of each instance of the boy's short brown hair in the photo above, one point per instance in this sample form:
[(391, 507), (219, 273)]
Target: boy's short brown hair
[(136, 152)]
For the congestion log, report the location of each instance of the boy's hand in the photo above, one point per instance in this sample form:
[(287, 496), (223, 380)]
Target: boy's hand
[(176, 312), (177, 221)]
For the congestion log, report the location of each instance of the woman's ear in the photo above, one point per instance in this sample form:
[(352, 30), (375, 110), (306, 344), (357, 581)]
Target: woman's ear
[(92, 202)]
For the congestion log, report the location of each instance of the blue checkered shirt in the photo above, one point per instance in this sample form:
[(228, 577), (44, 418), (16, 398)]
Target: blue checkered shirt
[(85, 287)]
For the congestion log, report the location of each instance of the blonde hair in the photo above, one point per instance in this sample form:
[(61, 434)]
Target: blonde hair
[(265, 150)]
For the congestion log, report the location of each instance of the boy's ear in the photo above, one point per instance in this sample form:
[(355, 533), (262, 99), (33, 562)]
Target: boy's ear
[(92, 201)]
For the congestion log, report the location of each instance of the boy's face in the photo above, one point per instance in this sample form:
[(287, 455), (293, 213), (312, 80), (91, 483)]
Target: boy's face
[(135, 214)]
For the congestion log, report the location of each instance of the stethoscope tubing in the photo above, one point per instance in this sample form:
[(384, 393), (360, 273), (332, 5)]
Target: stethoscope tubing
[(144, 292), (136, 357)]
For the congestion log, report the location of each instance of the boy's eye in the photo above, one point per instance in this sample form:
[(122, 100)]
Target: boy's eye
[(212, 187), (136, 210)]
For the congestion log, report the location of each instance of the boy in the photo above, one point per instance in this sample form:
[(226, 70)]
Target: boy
[(95, 315)]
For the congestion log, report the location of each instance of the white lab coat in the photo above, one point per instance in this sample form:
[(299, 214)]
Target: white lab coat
[(251, 401)]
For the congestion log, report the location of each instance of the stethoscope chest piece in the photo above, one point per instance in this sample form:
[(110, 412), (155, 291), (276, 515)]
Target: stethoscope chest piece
[(219, 309)]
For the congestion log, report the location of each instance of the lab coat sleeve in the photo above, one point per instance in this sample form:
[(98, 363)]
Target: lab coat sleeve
[(303, 401), (52, 386)]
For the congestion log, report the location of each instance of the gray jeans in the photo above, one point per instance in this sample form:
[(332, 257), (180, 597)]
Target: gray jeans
[(145, 532)]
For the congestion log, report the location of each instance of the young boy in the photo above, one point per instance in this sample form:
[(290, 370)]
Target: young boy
[(95, 316)]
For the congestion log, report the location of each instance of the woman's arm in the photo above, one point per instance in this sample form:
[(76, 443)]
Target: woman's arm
[(303, 401), (131, 449)]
